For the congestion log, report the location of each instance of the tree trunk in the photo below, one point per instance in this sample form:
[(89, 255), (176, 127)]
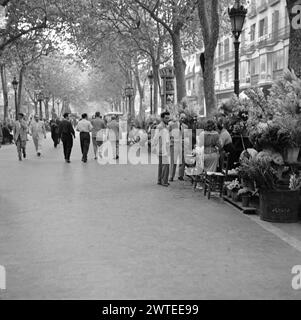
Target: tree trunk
[(4, 89), (209, 20), (209, 84), (179, 65), (156, 68), (294, 12), (20, 87)]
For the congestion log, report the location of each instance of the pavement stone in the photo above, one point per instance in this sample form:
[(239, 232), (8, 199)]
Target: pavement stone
[(86, 231)]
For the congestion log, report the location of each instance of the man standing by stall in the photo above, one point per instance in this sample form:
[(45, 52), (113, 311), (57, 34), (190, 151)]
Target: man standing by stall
[(161, 142)]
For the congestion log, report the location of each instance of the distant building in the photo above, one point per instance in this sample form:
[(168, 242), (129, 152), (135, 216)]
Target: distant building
[(264, 49)]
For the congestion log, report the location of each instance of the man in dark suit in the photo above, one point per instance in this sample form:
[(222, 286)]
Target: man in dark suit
[(54, 125), (66, 133)]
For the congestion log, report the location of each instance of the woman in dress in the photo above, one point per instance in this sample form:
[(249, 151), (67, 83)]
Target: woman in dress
[(208, 142)]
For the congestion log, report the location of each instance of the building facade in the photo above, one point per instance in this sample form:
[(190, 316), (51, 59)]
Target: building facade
[(194, 83), (263, 51)]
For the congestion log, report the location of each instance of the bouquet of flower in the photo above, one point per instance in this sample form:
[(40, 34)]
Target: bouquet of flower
[(234, 185), (295, 182)]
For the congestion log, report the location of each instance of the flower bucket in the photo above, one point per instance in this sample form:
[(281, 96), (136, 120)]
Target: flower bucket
[(229, 193), (245, 201), (235, 196), (279, 206), (291, 155)]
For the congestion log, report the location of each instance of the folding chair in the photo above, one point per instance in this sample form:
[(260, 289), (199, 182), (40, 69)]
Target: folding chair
[(214, 181)]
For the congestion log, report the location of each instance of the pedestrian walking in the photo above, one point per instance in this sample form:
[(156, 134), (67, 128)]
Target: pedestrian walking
[(98, 124), (38, 133), (66, 134), (54, 127), (20, 135), (113, 127), (84, 127), (162, 144)]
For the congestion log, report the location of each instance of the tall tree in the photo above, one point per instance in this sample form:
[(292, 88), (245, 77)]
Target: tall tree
[(173, 16), (210, 22)]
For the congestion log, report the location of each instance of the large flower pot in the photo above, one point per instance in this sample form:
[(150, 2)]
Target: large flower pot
[(291, 155), (279, 206), (229, 193), (235, 196)]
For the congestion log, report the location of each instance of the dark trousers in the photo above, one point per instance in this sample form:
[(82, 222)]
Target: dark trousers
[(55, 137), (68, 144), (85, 140), (163, 170)]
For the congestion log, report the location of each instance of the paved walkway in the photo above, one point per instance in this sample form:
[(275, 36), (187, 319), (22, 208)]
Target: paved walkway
[(85, 231)]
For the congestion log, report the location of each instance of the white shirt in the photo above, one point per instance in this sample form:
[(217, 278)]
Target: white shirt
[(37, 129), (84, 126)]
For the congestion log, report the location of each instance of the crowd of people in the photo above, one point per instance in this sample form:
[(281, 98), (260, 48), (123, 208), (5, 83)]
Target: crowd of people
[(62, 130), (173, 141)]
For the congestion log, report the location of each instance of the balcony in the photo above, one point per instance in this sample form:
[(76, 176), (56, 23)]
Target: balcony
[(226, 58), (267, 40), (224, 86), (263, 6)]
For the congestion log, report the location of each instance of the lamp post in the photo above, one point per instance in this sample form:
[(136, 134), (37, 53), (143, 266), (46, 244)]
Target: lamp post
[(129, 92), (41, 99), (150, 76), (15, 84), (237, 16)]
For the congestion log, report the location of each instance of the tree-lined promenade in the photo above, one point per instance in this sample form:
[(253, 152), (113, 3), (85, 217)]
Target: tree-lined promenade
[(86, 53)]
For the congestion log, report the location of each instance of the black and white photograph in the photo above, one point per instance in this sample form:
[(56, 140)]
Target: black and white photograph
[(150, 153)]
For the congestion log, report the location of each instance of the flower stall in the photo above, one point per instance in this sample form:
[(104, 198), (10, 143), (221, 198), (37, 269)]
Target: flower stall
[(270, 174)]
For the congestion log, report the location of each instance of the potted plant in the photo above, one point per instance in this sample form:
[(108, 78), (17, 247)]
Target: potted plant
[(227, 191), (245, 195), (291, 152), (234, 186), (276, 204)]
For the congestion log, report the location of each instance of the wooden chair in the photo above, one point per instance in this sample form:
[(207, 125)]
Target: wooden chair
[(214, 181)]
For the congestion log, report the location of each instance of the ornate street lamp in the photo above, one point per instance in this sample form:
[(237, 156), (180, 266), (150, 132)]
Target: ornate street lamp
[(237, 16), (41, 99), (150, 76), (15, 84), (129, 92)]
